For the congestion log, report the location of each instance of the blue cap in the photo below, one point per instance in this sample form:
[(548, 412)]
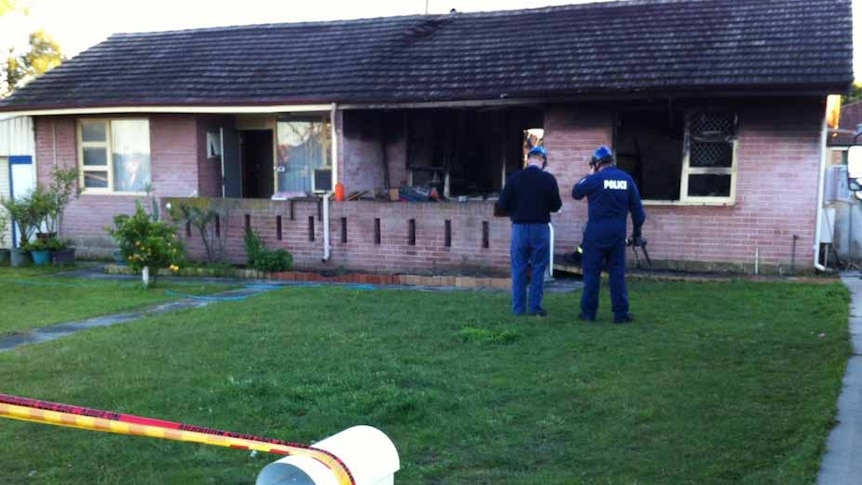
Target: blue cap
[(602, 154), (540, 150)]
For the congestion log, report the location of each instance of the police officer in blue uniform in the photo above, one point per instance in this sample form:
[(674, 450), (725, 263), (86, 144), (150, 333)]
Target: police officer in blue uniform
[(611, 194), (529, 197)]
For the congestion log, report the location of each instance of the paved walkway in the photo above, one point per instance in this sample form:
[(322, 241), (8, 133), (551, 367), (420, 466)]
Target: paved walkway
[(842, 463), (52, 332)]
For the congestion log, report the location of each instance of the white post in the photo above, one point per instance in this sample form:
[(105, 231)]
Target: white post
[(326, 247), (146, 276), (367, 452), (549, 274)]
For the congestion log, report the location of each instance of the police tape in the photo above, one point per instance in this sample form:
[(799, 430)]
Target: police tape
[(56, 414)]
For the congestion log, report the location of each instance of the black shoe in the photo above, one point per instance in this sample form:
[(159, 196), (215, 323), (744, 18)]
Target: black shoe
[(586, 318), (541, 313), (627, 318)]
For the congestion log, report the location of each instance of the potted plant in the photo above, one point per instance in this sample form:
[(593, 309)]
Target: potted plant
[(39, 252), (25, 214), (4, 251), (61, 251)]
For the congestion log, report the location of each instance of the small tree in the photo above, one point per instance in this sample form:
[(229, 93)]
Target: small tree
[(64, 188), (146, 243), (204, 220), (4, 223), (26, 214)]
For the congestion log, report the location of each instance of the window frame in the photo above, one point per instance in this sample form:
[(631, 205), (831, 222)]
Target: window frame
[(109, 156), (688, 170)]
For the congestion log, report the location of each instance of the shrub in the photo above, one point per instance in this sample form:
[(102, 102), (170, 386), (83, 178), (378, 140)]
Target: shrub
[(145, 242), (263, 259)]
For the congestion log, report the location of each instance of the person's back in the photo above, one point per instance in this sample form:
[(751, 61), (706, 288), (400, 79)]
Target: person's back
[(529, 197), (611, 194)]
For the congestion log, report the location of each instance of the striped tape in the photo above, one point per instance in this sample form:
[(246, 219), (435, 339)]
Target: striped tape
[(44, 412)]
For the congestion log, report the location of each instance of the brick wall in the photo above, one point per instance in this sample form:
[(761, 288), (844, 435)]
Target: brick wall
[(394, 251), (778, 160), (361, 154), (174, 163), (776, 191)]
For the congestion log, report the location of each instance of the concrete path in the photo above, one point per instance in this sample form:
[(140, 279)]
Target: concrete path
[(52, 332), (842, 463)]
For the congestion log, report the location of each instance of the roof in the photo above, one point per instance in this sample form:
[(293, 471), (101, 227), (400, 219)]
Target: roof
[(630, 47)]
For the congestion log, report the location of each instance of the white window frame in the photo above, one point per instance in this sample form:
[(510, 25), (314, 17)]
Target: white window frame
[(109, 190), (688, 170)]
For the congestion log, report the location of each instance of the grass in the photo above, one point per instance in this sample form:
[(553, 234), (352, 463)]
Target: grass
[(36, 297), (717, 383)]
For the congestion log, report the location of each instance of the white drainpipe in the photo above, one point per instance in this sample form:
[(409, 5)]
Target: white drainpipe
[(333, 116), (326, 247), (820, 180)]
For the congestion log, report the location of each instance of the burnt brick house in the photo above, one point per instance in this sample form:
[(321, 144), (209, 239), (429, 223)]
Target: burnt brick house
[(716, 108)]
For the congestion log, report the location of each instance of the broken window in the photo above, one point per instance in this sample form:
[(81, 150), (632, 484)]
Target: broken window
[(711, 152), (674, 157), (468, 152)]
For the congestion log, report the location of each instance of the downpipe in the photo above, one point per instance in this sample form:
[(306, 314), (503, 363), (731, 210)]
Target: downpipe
[(326, 247), (820, 189)]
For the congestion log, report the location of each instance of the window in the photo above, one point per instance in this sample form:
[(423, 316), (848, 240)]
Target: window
[(710, 158), (304, 162), (114, 155), (677, 156)]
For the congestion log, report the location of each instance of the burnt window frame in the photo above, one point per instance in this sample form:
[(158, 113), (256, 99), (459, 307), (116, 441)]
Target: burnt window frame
[(688, 170)]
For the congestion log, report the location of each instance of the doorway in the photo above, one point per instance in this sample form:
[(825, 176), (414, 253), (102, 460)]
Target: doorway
[(256, 153)]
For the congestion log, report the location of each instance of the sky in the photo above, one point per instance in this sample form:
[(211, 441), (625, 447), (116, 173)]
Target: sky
[(79, 24)]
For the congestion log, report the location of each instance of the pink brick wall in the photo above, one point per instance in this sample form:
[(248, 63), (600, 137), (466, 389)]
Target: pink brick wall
[(393, 254), (778, 159), (174, 159), (362, 158), (776, 191)]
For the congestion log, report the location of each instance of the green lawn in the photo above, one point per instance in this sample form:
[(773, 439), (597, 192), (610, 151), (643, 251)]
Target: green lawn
[(36, 297), (716, 383)]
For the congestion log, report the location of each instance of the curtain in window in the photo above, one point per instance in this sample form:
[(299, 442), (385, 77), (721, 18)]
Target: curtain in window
[(130, 142), (303, 146)]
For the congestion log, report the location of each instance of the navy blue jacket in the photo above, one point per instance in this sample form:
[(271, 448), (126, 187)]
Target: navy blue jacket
[(530, 195), (611, 194)]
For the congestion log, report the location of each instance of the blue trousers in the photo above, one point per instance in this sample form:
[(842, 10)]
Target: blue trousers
[(597, 256), (530, 248)]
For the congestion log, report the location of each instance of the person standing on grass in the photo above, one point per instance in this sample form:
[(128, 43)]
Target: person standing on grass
[(611, 194), (529, 197)]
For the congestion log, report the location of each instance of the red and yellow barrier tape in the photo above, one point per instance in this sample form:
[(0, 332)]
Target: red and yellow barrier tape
[(44, 412)]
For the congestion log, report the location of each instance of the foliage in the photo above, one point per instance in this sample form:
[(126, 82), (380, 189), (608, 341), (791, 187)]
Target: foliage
[(63, 188), (4, 225), (854, 95), (145, 242), (26, 214), (262, 258), (204, 219), (43, 208), (44, 55)]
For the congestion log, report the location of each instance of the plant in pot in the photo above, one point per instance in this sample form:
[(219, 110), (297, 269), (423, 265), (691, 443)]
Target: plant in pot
[(62, 252), (147, 244), (50, 205), (25, 214), (39, 252)]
